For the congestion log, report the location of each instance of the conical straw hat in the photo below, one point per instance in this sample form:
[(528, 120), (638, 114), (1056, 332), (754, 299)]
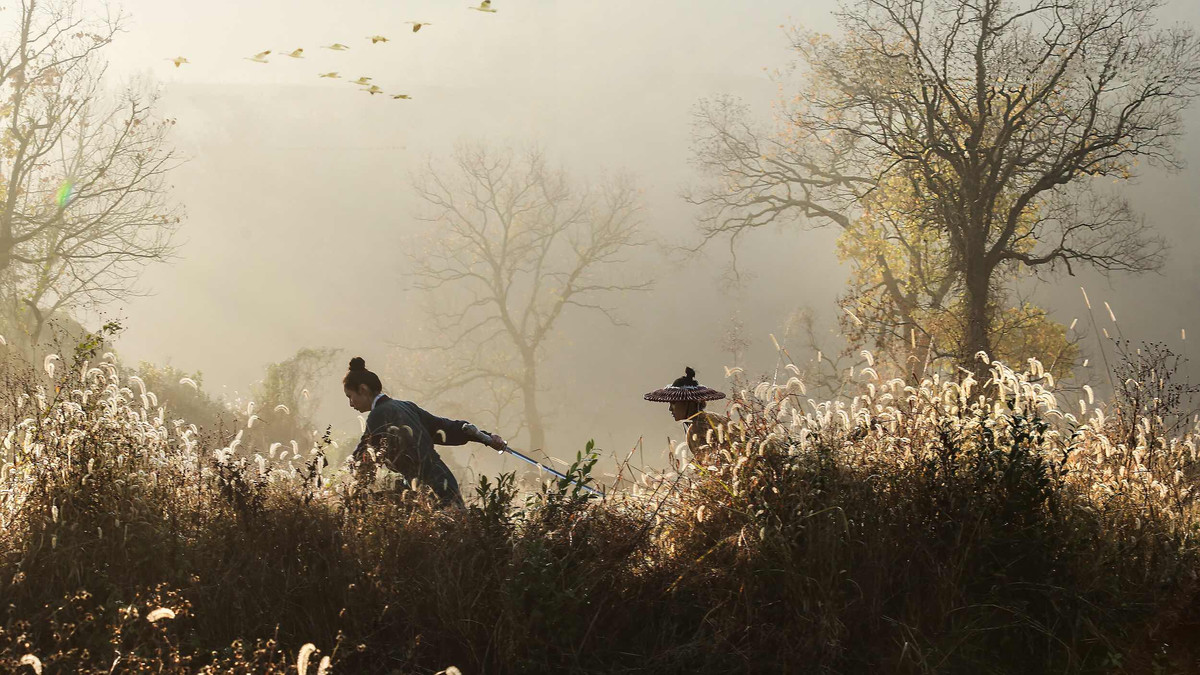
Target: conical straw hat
[(685, 388)]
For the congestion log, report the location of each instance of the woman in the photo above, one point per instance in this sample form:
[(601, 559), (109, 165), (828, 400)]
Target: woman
[(687, 398), (403, 434)]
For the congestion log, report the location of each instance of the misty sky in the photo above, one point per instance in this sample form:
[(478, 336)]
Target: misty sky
[(299, 206)]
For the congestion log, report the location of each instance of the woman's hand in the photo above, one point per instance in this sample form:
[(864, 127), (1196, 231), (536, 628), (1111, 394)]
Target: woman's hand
[(497, 443)]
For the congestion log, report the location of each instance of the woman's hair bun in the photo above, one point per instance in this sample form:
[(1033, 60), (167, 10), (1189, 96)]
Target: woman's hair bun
[(359, 376), (689, 373)]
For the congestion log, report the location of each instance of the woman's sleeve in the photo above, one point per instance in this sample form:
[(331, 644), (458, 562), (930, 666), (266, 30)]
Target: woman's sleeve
[(442, 430)]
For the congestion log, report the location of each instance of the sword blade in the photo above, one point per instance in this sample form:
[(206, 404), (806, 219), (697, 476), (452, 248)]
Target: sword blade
[(551, 471), (474, 432)]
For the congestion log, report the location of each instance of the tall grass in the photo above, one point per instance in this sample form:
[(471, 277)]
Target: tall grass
[(918, 527)]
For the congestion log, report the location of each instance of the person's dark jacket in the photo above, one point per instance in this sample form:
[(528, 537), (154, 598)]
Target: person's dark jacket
[(403, 435)]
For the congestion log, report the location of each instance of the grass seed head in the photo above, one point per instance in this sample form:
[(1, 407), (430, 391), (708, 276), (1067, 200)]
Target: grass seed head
[(159, 614), (302, 658), (33, 662)]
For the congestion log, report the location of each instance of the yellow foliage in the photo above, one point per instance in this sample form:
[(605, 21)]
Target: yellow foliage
[(905, 286)]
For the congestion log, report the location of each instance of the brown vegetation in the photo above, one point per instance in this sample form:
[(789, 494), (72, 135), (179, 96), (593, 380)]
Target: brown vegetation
[(910, 529)]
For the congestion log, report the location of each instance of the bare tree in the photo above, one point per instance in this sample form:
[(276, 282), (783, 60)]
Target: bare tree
[(83, 199), (288, 396), (824, 362), (516, 247), (1000, 116)]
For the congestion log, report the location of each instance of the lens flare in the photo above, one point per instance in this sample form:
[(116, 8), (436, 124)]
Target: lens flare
[(65, 193)]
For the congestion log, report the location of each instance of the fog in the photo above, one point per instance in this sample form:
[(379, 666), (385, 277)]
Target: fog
[(300, 210)]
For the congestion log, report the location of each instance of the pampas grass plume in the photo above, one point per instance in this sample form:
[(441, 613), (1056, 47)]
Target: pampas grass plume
[(33, 662), (306, 652), (160, 613)]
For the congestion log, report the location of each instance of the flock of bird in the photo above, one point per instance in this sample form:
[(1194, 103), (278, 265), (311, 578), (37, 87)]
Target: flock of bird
[(365, 82)]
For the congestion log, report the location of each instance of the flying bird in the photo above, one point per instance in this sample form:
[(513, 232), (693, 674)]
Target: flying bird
[(372, 90), (362, 80), (260, 57), (179, 61), (297, 54), (485, 6), (403, 96), (332, 75), (337, 47), (377, 38), (417, 24)]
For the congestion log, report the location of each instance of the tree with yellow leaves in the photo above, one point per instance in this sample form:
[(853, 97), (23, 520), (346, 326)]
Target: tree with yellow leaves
[(993, 131), (905, 295)]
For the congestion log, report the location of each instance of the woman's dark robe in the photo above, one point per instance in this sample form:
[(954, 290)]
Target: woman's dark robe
[(403, 435)]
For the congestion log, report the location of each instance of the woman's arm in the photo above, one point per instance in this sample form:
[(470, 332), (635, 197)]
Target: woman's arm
[(451, 432), (443, 431)]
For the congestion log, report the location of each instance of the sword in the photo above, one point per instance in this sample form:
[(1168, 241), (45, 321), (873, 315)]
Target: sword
[(474, 432)]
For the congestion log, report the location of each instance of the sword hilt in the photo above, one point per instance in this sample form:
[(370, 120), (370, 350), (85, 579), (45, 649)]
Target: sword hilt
[(477, 435)]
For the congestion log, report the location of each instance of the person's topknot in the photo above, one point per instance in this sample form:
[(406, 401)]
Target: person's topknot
[(358, 375), (688, 379)]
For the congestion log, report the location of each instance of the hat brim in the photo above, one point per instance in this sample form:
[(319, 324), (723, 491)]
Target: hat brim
[(680, 394)]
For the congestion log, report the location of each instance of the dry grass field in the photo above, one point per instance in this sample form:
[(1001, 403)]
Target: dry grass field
[(922, 527)]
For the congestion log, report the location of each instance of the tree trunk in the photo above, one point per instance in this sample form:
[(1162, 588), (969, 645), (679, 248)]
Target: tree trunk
[(533, 417), (977, 331)]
